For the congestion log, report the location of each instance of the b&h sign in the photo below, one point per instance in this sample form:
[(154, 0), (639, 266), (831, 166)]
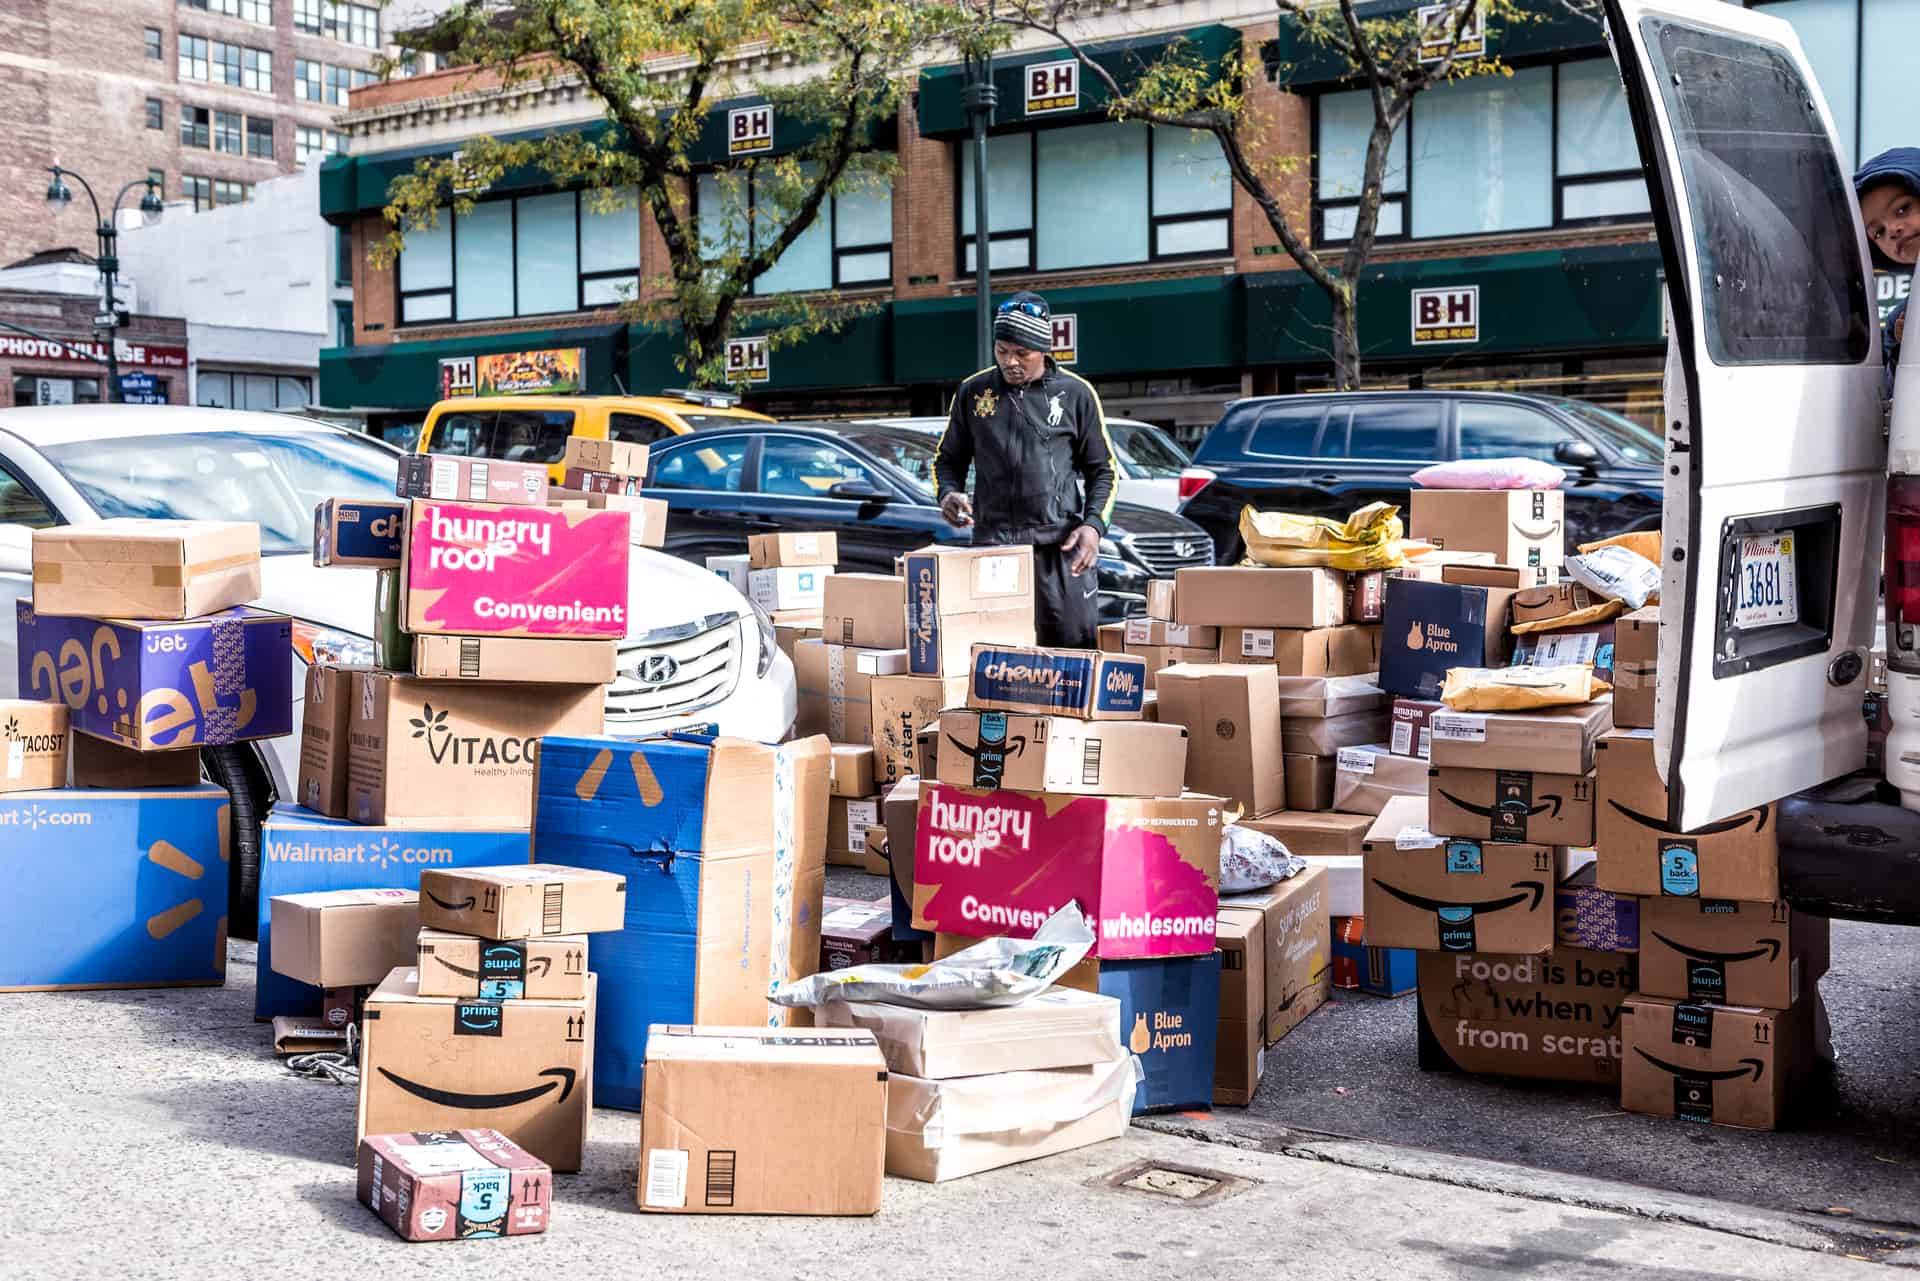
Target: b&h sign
[(747, 360), (1066, 338), (1053, 86), (749, 130), (1446, 315)]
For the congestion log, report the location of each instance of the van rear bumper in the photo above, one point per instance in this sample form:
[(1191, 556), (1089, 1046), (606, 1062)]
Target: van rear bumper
[(1847, 852)]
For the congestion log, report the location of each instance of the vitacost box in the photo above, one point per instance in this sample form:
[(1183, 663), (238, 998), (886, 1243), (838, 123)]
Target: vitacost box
[(534, 571), (455, 1185), (34, 742)]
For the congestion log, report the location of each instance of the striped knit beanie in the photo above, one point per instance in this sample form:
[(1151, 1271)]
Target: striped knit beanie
[(1025, 320)]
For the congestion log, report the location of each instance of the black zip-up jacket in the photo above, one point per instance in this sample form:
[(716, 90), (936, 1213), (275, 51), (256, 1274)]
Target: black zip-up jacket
[(1043, 465)]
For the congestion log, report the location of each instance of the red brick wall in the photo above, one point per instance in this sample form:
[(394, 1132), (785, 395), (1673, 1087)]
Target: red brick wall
[(71, 318)]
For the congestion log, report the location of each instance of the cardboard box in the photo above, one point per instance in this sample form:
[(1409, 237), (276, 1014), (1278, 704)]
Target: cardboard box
[(114, 889), (802, 795), (940, 1130), (538, 571), (453, 478), (302, 851), (523, 901), (958, 597), (511, 659), (1731, 953), (1233, 715), (835, 688), (852, 932), (1433, 566), (1367, 777), (1512, 805), (1160, 632), (788, 636), (1319, 697), (901, 812), (716, 859), (154, 570), (1309, 781), (344, 938), (1738, 1066), (754, 1121), (1520, 527), (1113, 638), (100, 764), (1554, 600), (1146, 872), (1061, 754), (1299, 964), (1377, 971), (1590, 645), (1326, 735), (1240, 1052), (576, 480), (306, 1036), (772, 551), (392, 643), (1057, 1029), (1159, 658), (1550, 1018), (1456, 895), (221, 679), (852, 770), (1586, 916), (455, 1185), (1366, 595), (450, 964), (1636, 667), (1170, 1019), (339, 1006), (324, 724), (1351, 650), (731, 568), (1429, 627), (902, 707), (1549, 740), (1160, 598), (457, 753), (34, 744), (357, 531), (593, 453), (646, 517), (848, 819), (1257, 596), (1737, 858), (1072, 682), (788, 587), (869, 610), (1309, 834), (1512, 577), (1412, 727), (522, 1067)]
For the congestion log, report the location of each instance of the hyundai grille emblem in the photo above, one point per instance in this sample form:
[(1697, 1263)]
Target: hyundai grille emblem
[(657, 669), (1185, 549)]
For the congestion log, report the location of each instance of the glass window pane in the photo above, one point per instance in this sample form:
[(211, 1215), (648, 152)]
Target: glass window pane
[(292, 391), (864, 217), (426, 307), (483, 256), (717, 464), (259, 392), (1006, 255), (808, 468), (1889, 89), (1346, 121), (1201, 236), (1408, 432), (636, 429), (531, 436), (808, 261), (1338, 223), (723, 215), (1604, 199), (1285, 431), (214, 390), (1596, 131), (1483, 154), (1828, 30), (867, 268), (610, 241), (1189, 173), (1073, 230), (1009, 184), (609, 291), (1492, 430), (544, 256), (427, 260)]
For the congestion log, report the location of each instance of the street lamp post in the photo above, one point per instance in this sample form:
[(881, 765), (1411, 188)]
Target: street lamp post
[(979, 98), (107, 231)]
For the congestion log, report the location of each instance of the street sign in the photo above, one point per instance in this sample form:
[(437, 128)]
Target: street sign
[(141, 389)]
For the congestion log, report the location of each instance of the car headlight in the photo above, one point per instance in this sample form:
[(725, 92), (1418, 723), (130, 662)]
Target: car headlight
[(317, 644), (769, 642)]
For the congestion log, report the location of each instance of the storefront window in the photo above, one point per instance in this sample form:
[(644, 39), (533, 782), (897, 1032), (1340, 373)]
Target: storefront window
[(1340, 165), (849, 243), (52, 389), (216, 389), (1009, 202), (1483, 155), (529, 256), (1070, 164)]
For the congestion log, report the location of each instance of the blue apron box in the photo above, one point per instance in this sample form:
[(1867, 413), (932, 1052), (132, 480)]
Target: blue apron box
[(203, 682), (1086, 683), (302, 851), (1170, 1018), (693, 823), (352, 531), (1426, 627), (114, 889)]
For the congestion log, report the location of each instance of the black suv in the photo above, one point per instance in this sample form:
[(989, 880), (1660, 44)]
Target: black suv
[(1328, 454)]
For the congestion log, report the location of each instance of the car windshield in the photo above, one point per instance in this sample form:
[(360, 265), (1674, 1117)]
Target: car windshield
[(910, 456), (276, 479), (1635, 443), (1146, 452)]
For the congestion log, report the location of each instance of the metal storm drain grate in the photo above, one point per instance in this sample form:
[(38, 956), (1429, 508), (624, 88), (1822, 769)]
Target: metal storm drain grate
[(1186, 1183)]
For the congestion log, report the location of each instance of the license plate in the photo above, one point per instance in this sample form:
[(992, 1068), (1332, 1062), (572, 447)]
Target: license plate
[(1766, 594)]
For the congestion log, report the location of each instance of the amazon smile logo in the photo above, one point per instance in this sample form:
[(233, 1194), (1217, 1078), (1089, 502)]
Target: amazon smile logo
[(1540, 535), (1769, 948), (464, 905), (537, 967), (1529, 890), (487, 1102), (1550, 802), (1758, 817), (1753, 1066)]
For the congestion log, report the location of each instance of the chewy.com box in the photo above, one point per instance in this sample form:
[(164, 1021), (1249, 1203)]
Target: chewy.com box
[(1071, 682), (479, 570), (1145, 870)]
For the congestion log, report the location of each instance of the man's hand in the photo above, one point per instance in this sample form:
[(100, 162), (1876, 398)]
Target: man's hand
[(1083, 547), (957, 508)]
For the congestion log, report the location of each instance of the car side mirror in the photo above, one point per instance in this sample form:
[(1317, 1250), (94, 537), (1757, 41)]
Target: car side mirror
[(1576, 453), (857, 491)]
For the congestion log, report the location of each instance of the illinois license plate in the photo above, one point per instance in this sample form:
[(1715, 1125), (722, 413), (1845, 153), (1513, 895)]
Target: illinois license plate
[(1766, 594)]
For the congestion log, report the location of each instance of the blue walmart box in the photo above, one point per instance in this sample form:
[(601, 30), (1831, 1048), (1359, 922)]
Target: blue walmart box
[(690, 821), (114, 889), (206, 681), (1170, 1018), (302, 851)]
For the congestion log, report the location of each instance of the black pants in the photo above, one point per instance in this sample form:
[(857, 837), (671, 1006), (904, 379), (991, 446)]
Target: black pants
[(1066, 609)]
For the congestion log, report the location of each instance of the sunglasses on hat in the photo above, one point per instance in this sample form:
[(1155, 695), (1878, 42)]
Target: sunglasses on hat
[(1034, 309)]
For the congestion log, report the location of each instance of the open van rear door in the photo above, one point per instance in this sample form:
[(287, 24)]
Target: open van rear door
[(1776, 456)]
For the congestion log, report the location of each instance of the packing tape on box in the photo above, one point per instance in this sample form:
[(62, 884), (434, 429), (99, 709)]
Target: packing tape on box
[(836, 694), (53, 573), (229, 677), (46, 574)]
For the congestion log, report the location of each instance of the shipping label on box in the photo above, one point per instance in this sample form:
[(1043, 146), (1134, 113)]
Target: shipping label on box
[(1555, 1017), (199, 683), (483, 571), (1735, 858), (593, 453), (522, 901), (344, 938), (355, 531), (153, 570), (771, 551), (1724, 1065), (1429, 627), (1731, 953), (788, 587), (957, 597), (1449, 894), (1146, 872), (114, 889), (1074, 682), (1061, 754), (1512, 805), (34, 742), (1412, 729), (1525, 528), (451, 478), (455, 1185), (452, 964), (1592, 646)]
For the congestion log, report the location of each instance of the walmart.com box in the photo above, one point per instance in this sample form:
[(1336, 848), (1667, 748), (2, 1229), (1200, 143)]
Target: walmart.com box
[(302, 851), (114, 889)]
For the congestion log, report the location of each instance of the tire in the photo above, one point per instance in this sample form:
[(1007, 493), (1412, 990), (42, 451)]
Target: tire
[(238, 768)]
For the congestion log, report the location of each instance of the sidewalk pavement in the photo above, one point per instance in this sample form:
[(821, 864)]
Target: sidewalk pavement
[(154, 1135)]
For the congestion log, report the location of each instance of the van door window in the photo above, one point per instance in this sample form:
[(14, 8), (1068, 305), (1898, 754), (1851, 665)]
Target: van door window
[(637, 429), (1286, 431), (464, 434), (1405, 432), (531, 435), (1492, 430), (1781, 277)]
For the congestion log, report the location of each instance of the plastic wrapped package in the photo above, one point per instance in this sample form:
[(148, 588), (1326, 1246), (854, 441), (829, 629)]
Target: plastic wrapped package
[(1491, 473), (1619, 572), (1368, 539), (1251, 860)]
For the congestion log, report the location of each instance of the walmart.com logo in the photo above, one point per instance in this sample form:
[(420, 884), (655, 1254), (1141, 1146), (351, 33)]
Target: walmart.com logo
[(38, 816), (383, 852)]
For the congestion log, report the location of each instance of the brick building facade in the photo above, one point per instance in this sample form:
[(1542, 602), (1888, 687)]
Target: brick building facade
[(34, 371)]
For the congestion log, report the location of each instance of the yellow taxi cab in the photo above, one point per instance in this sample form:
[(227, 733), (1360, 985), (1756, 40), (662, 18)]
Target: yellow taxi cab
[(534, 428)]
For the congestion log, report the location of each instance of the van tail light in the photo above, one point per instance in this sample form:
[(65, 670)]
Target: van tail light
[(1903, 573), (1193, 480)]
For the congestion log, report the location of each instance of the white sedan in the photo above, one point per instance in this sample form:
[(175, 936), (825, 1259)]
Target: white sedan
[(697, 652)]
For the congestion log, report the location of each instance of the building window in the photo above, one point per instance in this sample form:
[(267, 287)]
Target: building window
[(156, 114), (156, 50), (1464, 182), (343, 323), (306, 143), (196, 127), (336, 143), (260, 11), (351, 23), (226, 132), (363, 26), (193, 58), (306, 16), (306, 80), (256, 70), (338, 80), (1597, 175), (849, 243), (158, 177), (342, 256), (228, 192), (226, 63), (198, 190), (44, 389), (525, 256), (218, 389), (260, 137)]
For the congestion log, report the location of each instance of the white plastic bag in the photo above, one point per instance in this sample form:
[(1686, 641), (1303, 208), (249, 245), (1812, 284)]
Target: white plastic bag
[(1251, 860), (1491, 473), (1619, 573), (993, 972)]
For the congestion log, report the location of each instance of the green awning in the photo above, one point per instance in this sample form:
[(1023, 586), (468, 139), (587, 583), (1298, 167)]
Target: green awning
[(1529, 304), (859, 355), (406, 375), (941, 114), (1543, 33)]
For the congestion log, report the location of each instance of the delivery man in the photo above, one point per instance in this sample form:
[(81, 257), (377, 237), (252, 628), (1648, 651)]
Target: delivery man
[(1036, 439), (1888, 188)]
